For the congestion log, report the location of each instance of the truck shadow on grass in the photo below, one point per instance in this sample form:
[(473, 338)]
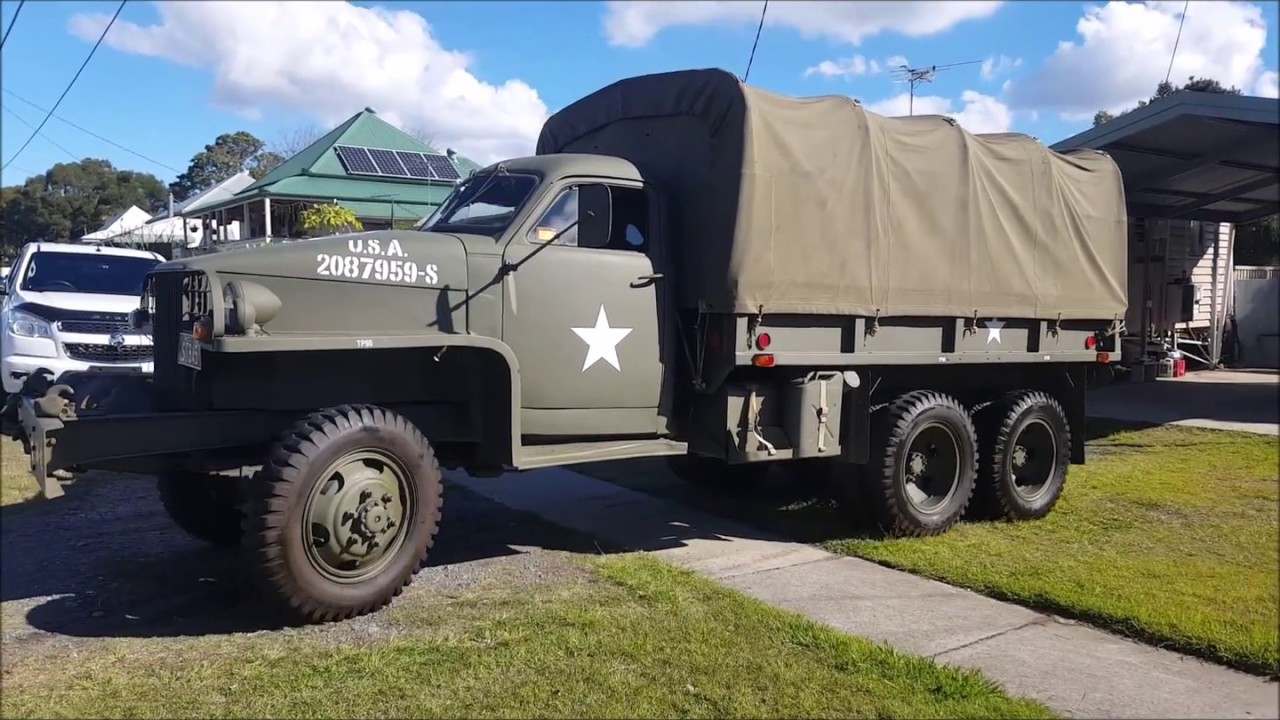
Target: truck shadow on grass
[(106, 561)]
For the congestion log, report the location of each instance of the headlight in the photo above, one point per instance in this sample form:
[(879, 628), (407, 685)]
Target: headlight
[(248, 304), (25, 324)]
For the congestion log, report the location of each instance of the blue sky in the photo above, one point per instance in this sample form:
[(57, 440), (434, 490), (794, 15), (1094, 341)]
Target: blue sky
[(482, 76)]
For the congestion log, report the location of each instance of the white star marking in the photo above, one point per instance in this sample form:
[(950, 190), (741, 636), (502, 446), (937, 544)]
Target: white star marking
[(602, 341), (993, 331)]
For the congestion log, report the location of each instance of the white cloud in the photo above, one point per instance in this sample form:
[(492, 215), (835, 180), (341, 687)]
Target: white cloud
[(1268, 84), (333, 59), (1124, 48), (633, 23), (897, 61), (980, 114), (844, 67), (994, 66)]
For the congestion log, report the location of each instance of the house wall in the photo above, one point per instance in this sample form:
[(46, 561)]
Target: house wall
[(1183, 252)]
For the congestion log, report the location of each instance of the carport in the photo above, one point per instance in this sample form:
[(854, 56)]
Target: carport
[(1207, 157)]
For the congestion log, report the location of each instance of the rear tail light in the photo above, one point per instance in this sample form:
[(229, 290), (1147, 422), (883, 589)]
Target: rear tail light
[(762, 360)]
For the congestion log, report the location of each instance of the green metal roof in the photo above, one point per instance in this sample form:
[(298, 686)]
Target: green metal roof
[(316, 173)]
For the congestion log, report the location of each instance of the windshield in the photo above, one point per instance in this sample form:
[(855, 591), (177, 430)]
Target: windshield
[(484, 203), (86, 273)]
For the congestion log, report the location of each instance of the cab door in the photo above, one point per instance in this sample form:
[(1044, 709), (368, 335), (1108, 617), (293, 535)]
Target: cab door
[(582, 313)]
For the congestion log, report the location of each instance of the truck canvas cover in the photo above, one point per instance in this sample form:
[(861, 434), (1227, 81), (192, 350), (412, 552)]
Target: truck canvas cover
[(816, 205)]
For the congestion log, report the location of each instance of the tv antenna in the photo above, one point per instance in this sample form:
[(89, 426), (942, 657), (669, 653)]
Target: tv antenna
[(915, 76)]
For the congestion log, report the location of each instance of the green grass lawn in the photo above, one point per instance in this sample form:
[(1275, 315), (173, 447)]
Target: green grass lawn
[(16, 483), (623, 636), (631, 637), (1167, 534)]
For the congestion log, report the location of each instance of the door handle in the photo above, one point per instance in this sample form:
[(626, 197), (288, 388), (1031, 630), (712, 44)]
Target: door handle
[(644, 280)]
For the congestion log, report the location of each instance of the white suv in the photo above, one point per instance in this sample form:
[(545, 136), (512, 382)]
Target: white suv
[(66, 307)]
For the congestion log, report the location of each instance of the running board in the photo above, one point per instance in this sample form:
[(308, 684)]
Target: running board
[(540, 456)]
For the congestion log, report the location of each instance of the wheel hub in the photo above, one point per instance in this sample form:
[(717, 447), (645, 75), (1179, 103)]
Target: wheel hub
[(932, 468), (1019, 456), (917, 465), (355, 515)]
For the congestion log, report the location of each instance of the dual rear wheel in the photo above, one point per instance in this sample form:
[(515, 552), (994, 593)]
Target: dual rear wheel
[(937, 462)]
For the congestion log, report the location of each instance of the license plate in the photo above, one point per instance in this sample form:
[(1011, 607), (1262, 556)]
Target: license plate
[(188, 352)]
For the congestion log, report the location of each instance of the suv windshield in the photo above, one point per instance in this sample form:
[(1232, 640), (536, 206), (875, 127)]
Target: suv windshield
[(483, 204), (86, 273)]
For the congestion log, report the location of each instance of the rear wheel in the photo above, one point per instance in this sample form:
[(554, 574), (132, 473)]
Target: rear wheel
[(343, 513), (206, 507), (1025, 454), (923, 479)]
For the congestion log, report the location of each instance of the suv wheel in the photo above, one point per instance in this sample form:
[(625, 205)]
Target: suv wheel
[(344, 511)]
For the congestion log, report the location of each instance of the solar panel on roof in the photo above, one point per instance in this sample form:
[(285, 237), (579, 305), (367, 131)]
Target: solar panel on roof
[(356, 160), (396, 163), (415, 165), (387, 162), (442, 167)]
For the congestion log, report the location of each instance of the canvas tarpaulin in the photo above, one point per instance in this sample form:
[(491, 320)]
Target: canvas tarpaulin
[(816, 205)]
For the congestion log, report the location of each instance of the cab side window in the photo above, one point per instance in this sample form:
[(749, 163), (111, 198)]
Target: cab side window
[(630, 220), (562, 213), (627, 210)]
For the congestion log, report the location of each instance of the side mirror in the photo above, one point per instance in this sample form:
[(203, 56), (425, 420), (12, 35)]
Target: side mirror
[(595, 215)]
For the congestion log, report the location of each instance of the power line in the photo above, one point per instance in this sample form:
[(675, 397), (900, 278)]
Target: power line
[(69, 85), (50, 140), (109, 141), (1177, 40), (12, 21), (759, 27)]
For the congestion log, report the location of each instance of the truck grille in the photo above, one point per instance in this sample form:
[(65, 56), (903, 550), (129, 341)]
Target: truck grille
[(174, 300), (96, 327), (88, 352)]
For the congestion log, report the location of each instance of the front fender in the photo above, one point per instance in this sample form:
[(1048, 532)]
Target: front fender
[(436, 343)]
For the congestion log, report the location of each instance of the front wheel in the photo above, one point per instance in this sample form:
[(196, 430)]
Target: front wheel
[(343, 513)]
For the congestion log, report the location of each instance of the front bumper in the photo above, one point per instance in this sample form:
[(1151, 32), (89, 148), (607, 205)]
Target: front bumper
[(15, 369)]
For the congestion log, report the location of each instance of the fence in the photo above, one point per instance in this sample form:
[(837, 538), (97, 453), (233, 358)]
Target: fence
[(1257, 314)]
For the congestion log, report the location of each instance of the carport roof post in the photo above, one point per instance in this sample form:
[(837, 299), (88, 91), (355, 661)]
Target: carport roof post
[(1195, 156)]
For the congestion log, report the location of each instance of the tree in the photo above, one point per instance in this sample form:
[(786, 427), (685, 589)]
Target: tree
[(71, 199), (1165, 89), (293, 142), (229, 154)]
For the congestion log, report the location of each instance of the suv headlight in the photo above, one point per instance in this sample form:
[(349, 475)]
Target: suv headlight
[(25, 324)]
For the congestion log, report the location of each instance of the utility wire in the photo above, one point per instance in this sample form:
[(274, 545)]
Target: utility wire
[(50, 140), (69, 85), (1177, 40), (109, 141), (12, 21), (759, 27)]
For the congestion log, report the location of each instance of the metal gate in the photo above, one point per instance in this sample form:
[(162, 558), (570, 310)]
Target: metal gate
[(1257, 311)]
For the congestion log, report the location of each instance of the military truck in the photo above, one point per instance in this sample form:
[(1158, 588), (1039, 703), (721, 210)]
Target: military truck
[(688, 267)]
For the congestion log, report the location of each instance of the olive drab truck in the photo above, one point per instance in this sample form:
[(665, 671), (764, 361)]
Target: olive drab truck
[(688, 267)]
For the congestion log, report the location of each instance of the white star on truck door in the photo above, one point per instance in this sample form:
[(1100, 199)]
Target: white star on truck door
[(993, 331), (602, 341)]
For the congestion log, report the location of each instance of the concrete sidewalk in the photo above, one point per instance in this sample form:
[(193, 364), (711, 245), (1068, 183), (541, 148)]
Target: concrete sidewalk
[(1241, 400), (1077, 670)]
